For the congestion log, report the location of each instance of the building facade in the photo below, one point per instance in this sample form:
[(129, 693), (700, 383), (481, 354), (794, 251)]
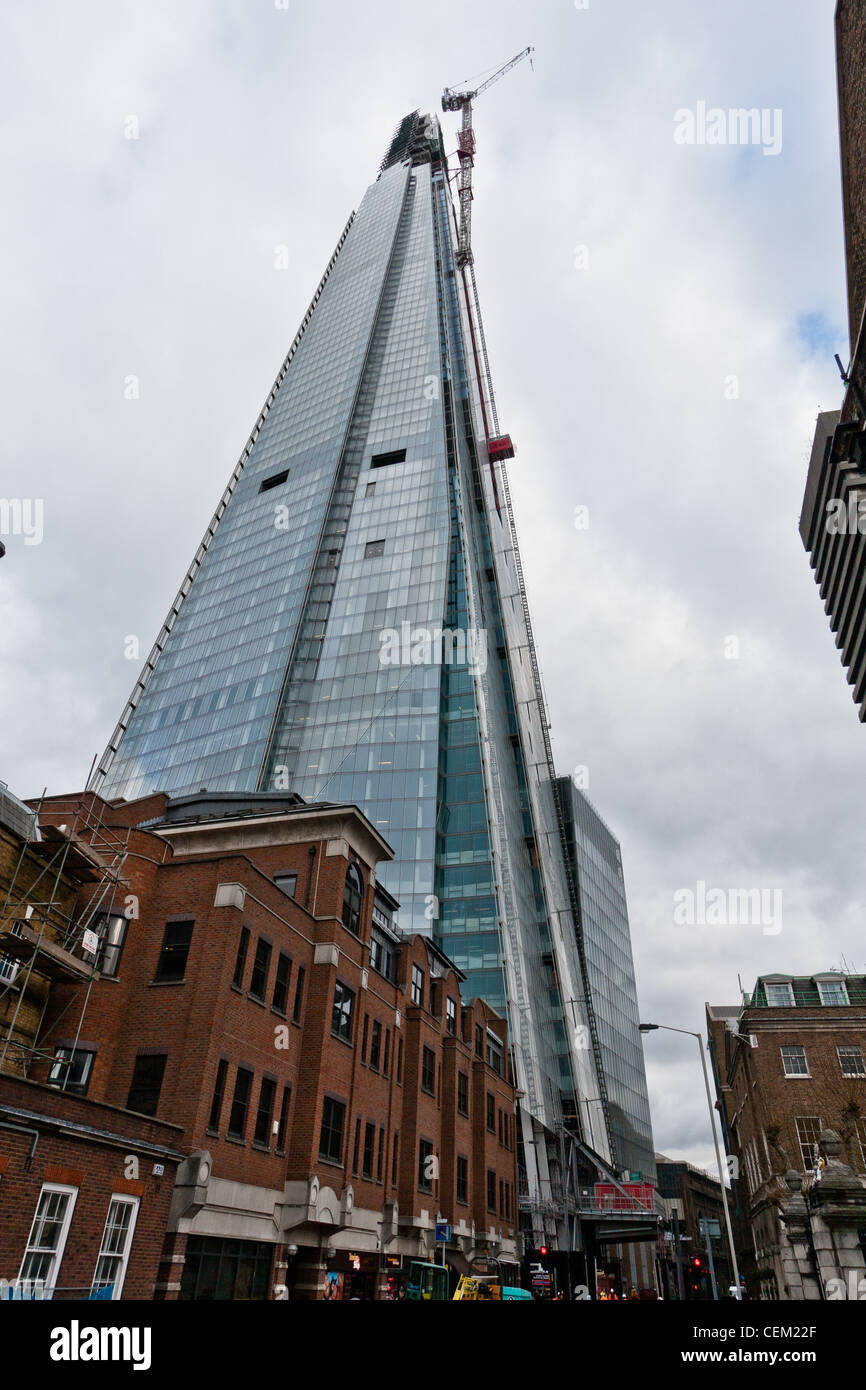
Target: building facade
[(354, 628), (330, 1093), (595, 860), (788, 1062), (694, 1247), (833, 518)]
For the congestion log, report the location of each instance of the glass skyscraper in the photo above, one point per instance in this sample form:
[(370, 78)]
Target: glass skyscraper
[(354, 628), (596, 862)]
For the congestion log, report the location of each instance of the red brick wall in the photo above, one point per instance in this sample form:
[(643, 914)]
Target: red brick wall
[(97, 1169)]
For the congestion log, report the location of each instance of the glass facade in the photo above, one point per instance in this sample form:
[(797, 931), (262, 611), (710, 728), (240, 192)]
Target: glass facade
[(597, 866), (356, 629)]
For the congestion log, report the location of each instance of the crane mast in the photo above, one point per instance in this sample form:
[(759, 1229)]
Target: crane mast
[(453, 100)]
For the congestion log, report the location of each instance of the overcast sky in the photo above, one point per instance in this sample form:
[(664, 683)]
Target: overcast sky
[(661, 317)]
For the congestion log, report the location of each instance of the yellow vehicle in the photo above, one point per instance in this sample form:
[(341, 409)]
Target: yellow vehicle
[(484, 1281)]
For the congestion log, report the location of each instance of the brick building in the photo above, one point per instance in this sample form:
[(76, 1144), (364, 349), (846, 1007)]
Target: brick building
[(85, 1187), (692, 1198), (333, 1094), (789, 1061)]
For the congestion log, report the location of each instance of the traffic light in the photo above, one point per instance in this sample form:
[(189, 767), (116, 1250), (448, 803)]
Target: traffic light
[(697, 1264), (543, 1250)]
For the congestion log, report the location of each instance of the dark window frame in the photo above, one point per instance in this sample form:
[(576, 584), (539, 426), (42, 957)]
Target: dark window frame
[(173, 951)]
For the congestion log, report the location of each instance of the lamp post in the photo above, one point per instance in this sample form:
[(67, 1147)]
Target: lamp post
[(652, 1028)]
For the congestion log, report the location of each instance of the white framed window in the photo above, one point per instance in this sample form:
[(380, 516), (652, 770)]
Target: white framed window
[(832, 992), (794, 1061), (47, 1239), (808, 1134), (851, 1061), (116, 1245), (779, 993), (70, 1070)]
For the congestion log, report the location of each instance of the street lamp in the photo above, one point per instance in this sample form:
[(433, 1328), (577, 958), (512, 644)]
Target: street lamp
[(653, 1028)]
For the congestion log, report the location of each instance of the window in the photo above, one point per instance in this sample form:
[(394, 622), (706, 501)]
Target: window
[(352, 901), (779, 996), (365, 1032), (116, 1243), (491, 1190), (299, 995), (383, 460), (462, 1093), (282, 1127), (111, 930), (479, 1041), (171, 965), (386, 1061), (400, 1062), (808, 1134), (267, 1096), (462, 1179), (226, 1268), (417, 985), (383, 956), (499, 1119), (273, 481), (375, 1044), (425, 1165), (219, 1090), (428, 1071), (501, 1197), (331, 1139), (240, 1103), (370, 490), (380, 1155), (794, 1061), (70, 1070), (374, 548), (47, 1239), (491, 1113), (369, 1142), (281, 984), (451, 1016), (832, 992), (356, 1147), (341, 1016), (261, 966), (394, 1153), (851, 1061), (8, 968), (146, 1083), (287, 883), (495, 1054), (241, 958)]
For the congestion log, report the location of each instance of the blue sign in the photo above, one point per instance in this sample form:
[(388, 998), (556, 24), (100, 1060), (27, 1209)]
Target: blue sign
[(443, 1232)]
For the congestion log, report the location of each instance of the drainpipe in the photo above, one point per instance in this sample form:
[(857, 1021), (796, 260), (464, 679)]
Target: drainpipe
[(312, 853), (23, 1129)]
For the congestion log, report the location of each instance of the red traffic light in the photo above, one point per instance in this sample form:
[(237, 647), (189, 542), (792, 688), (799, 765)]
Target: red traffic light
[(543, 1250), (696, 1262)]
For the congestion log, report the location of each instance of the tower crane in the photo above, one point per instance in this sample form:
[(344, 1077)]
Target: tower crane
[(499, 446), (453, 100)]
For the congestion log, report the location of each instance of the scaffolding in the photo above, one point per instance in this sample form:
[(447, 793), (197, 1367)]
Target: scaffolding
[(48, 935)]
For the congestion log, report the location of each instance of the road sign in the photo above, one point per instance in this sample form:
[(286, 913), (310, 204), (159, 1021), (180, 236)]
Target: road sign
[(443, 1232), (710, 1227)]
